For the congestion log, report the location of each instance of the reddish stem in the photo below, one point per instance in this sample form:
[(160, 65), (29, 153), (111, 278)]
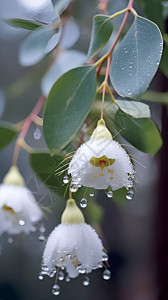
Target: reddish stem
[(105, 83), (130, 4), (26, 125)]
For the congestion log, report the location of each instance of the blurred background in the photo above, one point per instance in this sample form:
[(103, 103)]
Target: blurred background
[(135, 235)]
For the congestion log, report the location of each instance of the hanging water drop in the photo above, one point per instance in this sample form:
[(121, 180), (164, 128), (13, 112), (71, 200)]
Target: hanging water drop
[(106, 274), (81, 269), (10, 240), (40, 277), (22, 222), (42, 229), (56, 289), (65, 179), (109, 194), (83, 203), (86, 281), (61, 275), (73, 188), (130, 195), (92, 193), (41, 238), (67, 279), (37, 134), (105, 257)]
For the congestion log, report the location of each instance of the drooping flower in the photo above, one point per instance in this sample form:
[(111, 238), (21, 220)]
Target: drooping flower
[(19, 211), (74, 246), (102, 162)]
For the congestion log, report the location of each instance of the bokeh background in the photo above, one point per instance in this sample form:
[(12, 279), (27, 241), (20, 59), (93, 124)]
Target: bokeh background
[(134, 235)]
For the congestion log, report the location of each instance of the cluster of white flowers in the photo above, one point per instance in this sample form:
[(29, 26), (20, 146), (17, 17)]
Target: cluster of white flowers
[(101, 162), (73, 246), (19, 211)]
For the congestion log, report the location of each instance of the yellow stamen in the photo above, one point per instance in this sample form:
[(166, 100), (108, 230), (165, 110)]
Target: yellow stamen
[(9, 209)]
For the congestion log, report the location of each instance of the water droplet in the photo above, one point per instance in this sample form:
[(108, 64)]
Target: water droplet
[(56, 289), (105, 257), (61, 275), (65, 179), (83, 203), (42, 229), (130, 195), (40, 277), (22, 222), (44, 269), (109, 194), (67, 279), (52, 273), (86, 281), (73, 188), (92, 193), (129, 92), (41, 238), (81, 269), (10, 240), (37, 134), (76, 180), (106, 274)]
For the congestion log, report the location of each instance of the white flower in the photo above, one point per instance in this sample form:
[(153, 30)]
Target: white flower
[(18, 208), (102, 162), (73, 245)]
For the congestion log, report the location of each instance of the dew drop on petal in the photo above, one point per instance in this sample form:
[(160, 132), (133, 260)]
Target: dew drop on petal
[(73, 188), (65, 179), (106, 274), (22, 222), (61, 275), (86, 281), (56, 289), (130, 195), (83, 203)]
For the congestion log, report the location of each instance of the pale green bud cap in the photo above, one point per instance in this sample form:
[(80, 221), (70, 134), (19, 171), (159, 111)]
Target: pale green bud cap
[(13, 177), (101, 131), (72, 214)]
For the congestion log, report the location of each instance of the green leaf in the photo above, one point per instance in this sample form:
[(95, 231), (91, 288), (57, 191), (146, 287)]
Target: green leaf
[(67, 106), (134, 108), (161, 98), (7, 133), (101, 32), (45, 167), (25, 24), (137, 58), (39, 43), (153, 9), (119, 197), (141, 133)]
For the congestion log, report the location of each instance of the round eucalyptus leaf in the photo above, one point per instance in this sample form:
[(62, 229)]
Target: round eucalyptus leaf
[(101, 32), (67, 106), (137, 58), (142, 133)]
